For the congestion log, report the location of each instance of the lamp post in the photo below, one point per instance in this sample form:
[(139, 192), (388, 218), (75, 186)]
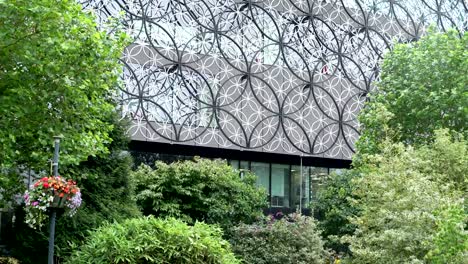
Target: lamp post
[(53, 212)]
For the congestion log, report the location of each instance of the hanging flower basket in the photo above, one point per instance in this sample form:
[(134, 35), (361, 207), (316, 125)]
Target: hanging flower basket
[(50, 192)]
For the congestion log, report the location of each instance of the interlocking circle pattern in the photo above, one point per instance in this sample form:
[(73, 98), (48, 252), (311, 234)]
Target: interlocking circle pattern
[(283, 76)]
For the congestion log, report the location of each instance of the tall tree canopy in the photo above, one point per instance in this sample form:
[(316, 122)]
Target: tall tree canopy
[(412, 204), (412, 157), (57, 74), (423, 87), (406, 174)]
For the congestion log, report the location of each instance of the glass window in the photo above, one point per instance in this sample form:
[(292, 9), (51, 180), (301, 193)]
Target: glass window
[(295, 186), (244, 165), (262, 171), (318, 176), (280, 185), (234, 164), (305, 187), (299, 187), (337, 171)]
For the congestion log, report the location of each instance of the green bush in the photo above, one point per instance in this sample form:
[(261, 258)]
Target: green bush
[(294, 239), (333, 208), (152, 240), (401, 194), (203, 190), (107, 194), (451, 240)]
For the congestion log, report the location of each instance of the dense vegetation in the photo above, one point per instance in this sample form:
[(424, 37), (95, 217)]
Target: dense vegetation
[(334, 206), (58, 73), (107, 196), (402, 202), (203, 190), (422, 88), (152, 240), (410, 201), (293, 239)]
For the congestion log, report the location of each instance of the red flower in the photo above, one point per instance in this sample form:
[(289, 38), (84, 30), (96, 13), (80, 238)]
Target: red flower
[(46, 185), (44, 179)]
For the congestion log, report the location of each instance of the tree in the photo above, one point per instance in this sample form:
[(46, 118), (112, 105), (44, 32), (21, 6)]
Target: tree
[(203, 190), (404, 196), (422, 87), (58, 72), (413, 175)]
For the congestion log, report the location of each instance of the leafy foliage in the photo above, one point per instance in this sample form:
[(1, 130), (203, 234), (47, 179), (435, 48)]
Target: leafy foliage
[(107, 192), (151, 240), (400, 194), (57, 74), (422, 88), (7, 260), (413, 175), (202, 190), (333, 208), (293, 239), (107, 196), (451, 239)]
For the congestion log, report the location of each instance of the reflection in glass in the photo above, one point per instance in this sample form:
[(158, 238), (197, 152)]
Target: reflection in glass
[(280, 185), (318, 176), (296, 187), (336, 171), (305, 187), (234, 164), (244, 165), (262, 171)]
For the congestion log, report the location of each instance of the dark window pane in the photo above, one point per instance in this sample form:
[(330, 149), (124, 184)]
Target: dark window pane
[(262, 171), (234, 164), (244, 165), (280, 185), (296, 191), (318, 176)]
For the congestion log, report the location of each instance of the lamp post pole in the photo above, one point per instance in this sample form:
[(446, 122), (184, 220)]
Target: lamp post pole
[(53, 212)]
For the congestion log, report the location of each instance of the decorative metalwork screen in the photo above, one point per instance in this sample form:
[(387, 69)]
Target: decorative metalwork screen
[(285, 76)]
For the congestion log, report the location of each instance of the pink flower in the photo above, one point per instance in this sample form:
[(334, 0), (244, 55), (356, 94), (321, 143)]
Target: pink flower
[(35, 203)]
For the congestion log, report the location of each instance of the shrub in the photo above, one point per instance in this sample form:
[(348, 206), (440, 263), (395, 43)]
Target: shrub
[(203, 190), (152, 240), (451, 240), (333, 208), (107, 191), (293, 239), (400, 196)]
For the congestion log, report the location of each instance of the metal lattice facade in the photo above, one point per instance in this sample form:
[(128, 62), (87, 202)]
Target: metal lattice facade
[(280, 76)]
